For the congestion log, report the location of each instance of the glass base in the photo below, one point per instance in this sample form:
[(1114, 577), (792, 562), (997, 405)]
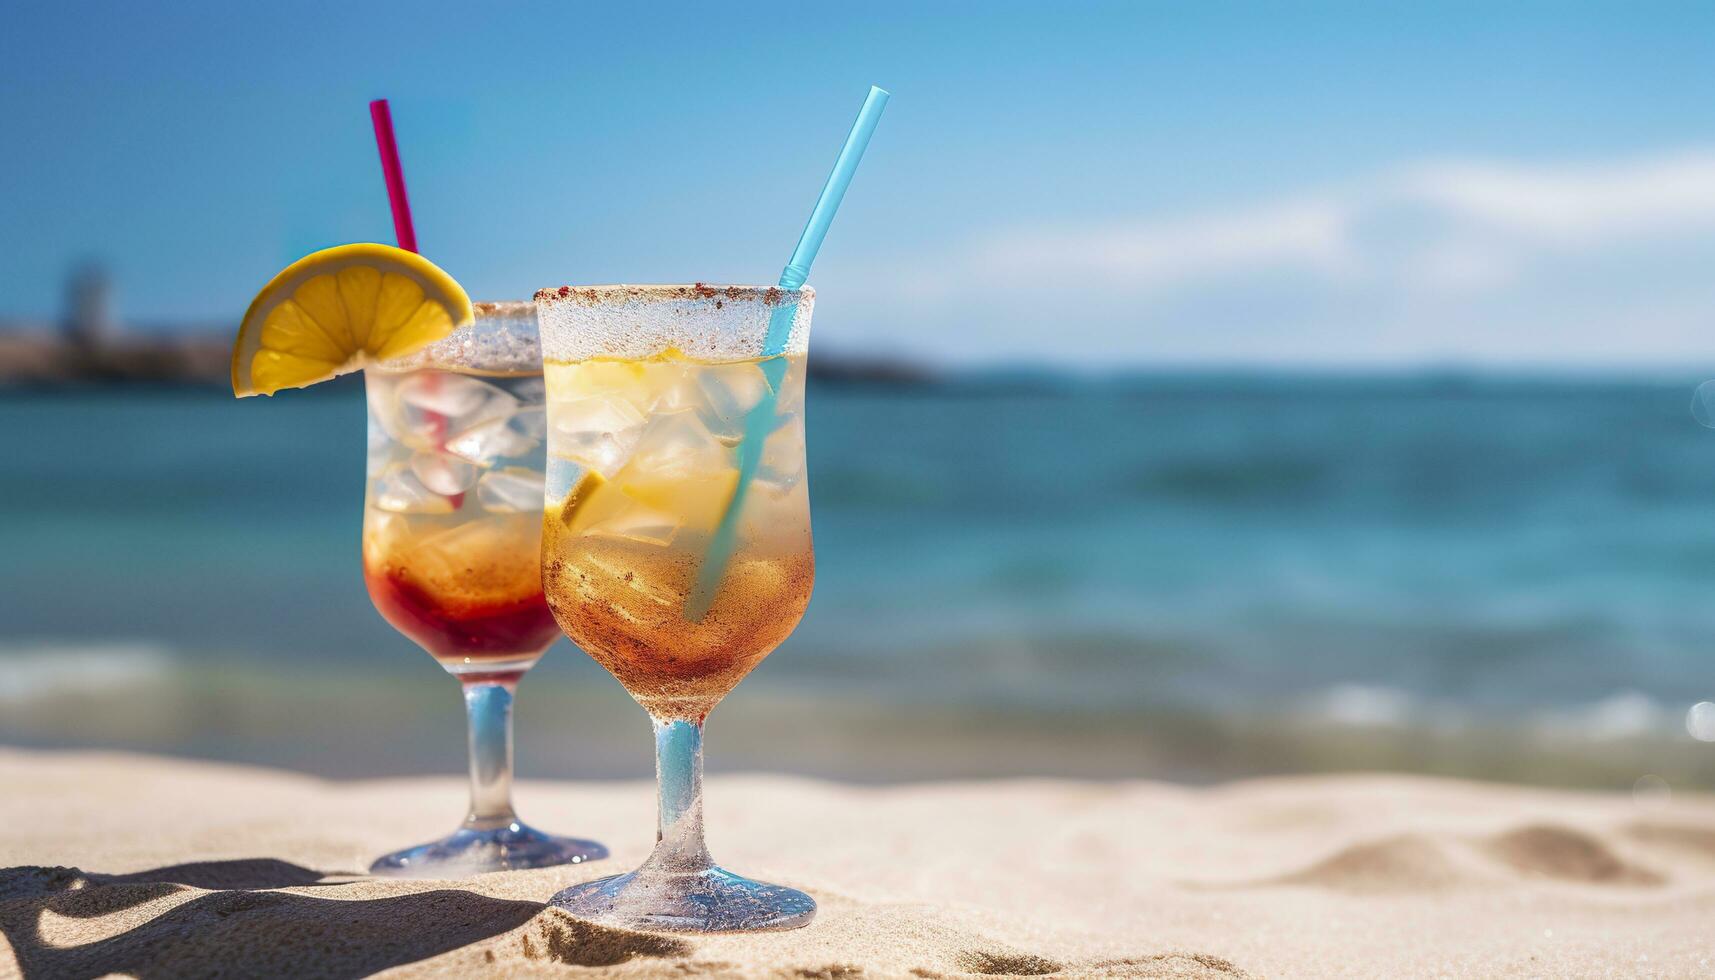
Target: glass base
[(715, 900), (469, 852)]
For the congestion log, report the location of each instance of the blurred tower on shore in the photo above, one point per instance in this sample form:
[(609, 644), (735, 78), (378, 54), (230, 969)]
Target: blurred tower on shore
[(88, 321)]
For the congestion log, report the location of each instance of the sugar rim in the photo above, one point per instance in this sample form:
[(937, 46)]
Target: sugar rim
[(666, 293), (495, 341)]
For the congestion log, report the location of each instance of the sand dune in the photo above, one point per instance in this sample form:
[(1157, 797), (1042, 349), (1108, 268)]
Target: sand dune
[(152, 867)]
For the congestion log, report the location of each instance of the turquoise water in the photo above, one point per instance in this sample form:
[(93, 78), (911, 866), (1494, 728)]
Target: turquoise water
[(1171, 576)]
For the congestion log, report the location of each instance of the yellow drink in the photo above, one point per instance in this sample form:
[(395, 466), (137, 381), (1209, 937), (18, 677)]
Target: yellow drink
[(644, 468)]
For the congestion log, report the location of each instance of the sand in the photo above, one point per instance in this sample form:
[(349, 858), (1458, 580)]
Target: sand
[(155, 867)]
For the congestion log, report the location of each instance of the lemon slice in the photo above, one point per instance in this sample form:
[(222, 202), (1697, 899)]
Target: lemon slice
[(330, 311), (699, 500), (588, 486)]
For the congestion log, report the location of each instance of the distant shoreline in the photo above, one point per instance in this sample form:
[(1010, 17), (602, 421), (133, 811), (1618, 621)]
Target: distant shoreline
[(885, 376), (45, 361), (42, 360)]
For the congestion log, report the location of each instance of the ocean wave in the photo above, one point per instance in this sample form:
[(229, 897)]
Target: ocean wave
[(37, 672), (1621, 715), (1363, 706)]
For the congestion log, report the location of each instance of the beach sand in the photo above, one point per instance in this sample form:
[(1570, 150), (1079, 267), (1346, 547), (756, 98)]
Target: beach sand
[(148, 866)]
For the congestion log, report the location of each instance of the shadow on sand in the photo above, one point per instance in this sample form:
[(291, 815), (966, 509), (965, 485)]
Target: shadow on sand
[(63, 922)]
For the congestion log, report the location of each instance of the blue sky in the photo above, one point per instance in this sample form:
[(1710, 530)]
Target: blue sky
[(1076, 183)]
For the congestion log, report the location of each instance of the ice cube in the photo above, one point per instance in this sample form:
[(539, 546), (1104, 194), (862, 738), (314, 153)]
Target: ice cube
[(531, 421), (496, 557), (513, 490), (791, 396), (609, 453), (613, 380), (676, 445), (576, 416), (732, 389), (640, 523), (389, 418), (782, 463), (492, 441), (443, 473), (451, 395), (497, 436), (598, 432), (729, 393), (400, 491), (418, 430), (674, 388), (428, 416)]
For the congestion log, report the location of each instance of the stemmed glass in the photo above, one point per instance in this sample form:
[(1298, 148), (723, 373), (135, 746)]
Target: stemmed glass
[(451, 534), (676, 544)]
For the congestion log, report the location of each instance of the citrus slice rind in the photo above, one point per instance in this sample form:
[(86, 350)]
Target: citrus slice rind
[(332, 311)]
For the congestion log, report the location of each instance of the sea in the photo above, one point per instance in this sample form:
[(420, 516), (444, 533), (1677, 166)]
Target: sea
[(1183, 576)]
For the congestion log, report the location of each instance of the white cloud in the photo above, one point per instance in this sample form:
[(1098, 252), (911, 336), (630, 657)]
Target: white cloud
[(1586, 265), (1574, 206), (1449, 225), (1308, 234)]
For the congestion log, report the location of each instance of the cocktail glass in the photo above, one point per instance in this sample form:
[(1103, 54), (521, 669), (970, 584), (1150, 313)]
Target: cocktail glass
[(676, 545), (451, 540)]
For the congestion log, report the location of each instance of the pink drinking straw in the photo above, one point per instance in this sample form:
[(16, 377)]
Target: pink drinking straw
[(403, 230), (382, 117)]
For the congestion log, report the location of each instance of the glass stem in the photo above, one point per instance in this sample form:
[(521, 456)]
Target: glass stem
[(488, 706), (679, 771)]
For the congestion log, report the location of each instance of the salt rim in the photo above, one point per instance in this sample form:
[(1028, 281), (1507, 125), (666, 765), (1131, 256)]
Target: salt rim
[(704, 321), (503, 339)]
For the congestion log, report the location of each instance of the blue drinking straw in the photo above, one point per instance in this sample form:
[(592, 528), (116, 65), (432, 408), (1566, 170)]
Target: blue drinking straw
[(760, 420)]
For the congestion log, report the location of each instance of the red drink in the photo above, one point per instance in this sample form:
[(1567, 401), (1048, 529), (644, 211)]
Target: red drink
[(469, 593), (452, 525)]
